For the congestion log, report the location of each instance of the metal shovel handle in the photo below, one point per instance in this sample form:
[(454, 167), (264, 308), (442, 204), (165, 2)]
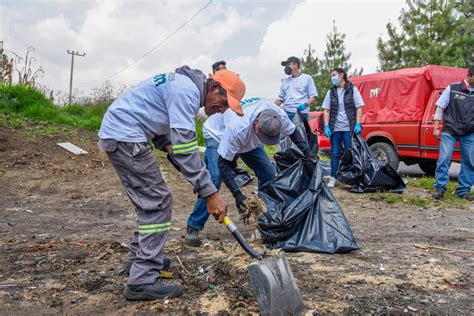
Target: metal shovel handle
[(241, 239)]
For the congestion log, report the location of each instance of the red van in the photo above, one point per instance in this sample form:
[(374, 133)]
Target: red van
[(398, 114)]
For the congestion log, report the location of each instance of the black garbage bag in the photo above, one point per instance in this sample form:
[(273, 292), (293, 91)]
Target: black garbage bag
[(302, 214), (287, 152), (358, 167)]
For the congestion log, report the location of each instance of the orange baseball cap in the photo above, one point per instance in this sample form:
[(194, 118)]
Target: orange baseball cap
[(233, 85)]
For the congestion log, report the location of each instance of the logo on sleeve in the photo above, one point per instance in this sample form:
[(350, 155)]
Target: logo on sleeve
[(163, 78), (249, 102)]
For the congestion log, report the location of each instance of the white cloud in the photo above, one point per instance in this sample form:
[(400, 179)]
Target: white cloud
[(309, 22), (113, 33)]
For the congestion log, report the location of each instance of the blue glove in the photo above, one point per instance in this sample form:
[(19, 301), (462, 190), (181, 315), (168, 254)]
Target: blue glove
[(301, 107), (327, 131), (358, 128)]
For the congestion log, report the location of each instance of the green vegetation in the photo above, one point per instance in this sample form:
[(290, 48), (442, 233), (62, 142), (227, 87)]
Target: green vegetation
[(435, 32), (408, 198), (335, 55), (20, 101)]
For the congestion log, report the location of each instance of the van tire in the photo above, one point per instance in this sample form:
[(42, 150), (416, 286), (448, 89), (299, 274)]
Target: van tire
[(387, 153), (428, 167)]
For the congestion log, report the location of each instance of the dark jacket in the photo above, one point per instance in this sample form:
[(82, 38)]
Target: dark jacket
[(349, 105), (459, 114)]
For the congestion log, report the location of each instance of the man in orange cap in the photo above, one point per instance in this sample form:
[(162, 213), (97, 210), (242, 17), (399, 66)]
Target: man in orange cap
[(163, 109)]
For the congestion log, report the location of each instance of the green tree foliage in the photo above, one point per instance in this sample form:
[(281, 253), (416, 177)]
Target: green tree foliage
[(438, 32), (335, 56)]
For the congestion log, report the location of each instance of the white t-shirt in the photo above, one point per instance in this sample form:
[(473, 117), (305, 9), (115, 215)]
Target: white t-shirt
[(155, 105), (342, 122), (214, 127), (239, 134), (295, 91)]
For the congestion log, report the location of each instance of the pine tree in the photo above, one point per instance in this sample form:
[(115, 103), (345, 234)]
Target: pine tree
[(438, 32), (335, 56)]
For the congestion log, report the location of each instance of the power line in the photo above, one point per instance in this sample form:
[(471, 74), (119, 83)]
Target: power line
[(159, 44)]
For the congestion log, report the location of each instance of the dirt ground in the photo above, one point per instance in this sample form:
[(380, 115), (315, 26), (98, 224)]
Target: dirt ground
[(65, 222)]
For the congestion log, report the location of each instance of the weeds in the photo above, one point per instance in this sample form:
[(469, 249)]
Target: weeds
[(414, 199)]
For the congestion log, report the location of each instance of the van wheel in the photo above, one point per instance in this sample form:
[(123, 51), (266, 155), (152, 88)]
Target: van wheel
[(428, 167), (386, 152)]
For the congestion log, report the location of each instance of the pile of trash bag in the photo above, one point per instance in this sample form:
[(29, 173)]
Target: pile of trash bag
[(360, 169), (302, 214)]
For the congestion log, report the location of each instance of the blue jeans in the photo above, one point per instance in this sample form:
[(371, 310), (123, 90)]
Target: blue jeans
[(256, 159), (466, 175), (337, 139), (260, 163), (199, 215)]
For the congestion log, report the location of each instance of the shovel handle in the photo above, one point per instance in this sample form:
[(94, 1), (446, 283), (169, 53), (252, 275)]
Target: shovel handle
[(241, 239)]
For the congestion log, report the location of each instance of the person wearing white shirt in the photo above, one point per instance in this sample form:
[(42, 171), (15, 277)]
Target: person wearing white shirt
[(342, 117), (263, 123), (456, 108)]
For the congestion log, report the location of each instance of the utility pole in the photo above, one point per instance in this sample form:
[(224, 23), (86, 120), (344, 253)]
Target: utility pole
[(73, 53)]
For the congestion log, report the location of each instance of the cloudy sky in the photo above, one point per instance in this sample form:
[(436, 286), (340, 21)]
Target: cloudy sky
[(252, 36)]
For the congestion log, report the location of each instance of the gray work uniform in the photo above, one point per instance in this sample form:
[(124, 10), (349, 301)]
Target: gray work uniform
[(163, 107)]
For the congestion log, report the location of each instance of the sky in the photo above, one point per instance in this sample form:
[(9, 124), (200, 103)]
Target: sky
[(253, 37)]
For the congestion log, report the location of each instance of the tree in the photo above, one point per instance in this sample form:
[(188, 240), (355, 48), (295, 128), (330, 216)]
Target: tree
[(438, 32), (335, 56)]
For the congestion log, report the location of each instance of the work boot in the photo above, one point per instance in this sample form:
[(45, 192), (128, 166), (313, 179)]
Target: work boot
[(438, 194), (163, 272), (152, 291), (466, 196), (192, 237), (332, 182)]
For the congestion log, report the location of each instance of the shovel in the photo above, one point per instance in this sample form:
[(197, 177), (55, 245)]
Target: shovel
[(272, 280)]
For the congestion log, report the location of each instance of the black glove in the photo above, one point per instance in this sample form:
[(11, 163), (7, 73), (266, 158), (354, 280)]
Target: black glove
[(173, 162), (310, 155), (240, 201), (160, 142)]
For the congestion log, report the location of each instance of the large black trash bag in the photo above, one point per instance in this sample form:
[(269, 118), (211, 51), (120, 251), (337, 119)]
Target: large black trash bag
[(287, 152), (302, 214), (359, 168)]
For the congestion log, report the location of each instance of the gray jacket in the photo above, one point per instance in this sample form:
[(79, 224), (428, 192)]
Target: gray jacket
[(189, 162)]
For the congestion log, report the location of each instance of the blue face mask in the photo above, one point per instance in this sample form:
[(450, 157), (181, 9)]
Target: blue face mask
[(335, 80)]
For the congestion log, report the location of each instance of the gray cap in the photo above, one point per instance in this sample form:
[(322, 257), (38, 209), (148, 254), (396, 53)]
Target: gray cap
[(269, 127)]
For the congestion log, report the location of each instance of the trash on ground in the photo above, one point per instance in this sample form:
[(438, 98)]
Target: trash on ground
[(72, 148)]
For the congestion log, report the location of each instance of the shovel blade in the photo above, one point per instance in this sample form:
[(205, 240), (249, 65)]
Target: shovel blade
[(275, 287)]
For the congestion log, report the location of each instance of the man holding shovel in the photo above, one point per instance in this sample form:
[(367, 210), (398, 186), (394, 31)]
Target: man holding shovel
[(163, 108)]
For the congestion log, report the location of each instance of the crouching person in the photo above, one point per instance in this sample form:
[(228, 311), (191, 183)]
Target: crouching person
[(263, 123)]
